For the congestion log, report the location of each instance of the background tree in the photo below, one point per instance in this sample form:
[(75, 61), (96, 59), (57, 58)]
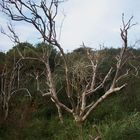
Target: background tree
[(9, 80), (2, 61)]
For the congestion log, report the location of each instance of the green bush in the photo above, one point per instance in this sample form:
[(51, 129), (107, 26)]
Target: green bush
[(126, 129)]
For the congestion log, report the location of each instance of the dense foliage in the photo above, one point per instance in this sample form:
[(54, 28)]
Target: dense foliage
[(118, 118)]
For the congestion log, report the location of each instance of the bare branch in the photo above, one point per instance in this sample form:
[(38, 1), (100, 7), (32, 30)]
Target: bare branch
[(13, 37)]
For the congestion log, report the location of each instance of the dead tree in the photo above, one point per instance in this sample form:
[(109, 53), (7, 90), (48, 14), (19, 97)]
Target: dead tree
[(42, 15), (9, 80)]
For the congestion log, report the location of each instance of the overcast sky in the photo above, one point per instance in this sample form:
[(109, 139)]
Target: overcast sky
[(95, 22)]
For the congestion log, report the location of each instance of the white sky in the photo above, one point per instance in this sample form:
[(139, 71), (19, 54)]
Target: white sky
[(94, 22)]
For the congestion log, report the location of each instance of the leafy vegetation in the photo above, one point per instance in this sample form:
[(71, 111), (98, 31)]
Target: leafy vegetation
[(116, 118)]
